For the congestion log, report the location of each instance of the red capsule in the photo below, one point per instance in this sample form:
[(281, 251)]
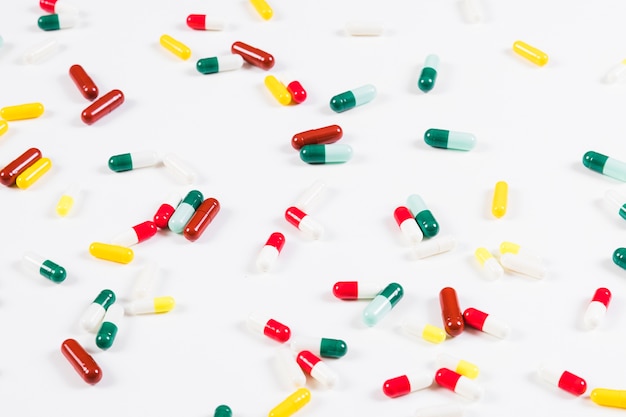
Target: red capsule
[(83, 81), (323, 136), (253, 56), (82, 361), (201, 218), (298, 93), (102, 106), (47, 5), (451, 313), (9, 173)]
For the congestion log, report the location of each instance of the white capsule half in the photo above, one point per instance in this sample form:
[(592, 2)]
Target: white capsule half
[(179, 169), (616, 74), (468, 388), (433, 246), (594, 314), (145, 281), (411, 231), (364, 28), (323, 374), (288, 368), (310, 227), (443, 410), (471, 10), (496, 328), (41, 52), (92, 317), (310, 196), (523, 264)]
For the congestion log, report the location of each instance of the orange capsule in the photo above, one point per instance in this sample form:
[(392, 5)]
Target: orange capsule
[(201, 218), (253, 56), (102, 106), (83, 81), (451, 313), (323, 135), (82, 361)]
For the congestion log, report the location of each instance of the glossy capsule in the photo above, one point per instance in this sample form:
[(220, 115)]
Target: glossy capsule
[(423, 216), (270, 251), (605, 165), (382, 304), (406, 384), (619, 257), (9, 173), (356, 290), (320, 346), (102, 106), (129, 161), (33, 173), (353, 98), (57, 21), (92, 317), (523, 264), (288, 368), (458, 383), (407, 224), (609, 397), (427, 332), (223, 411), (46, 268), (364, 28), (41, 52), (145, 281), (565, 380), (179, 169), (459, 366), (326, 154), (201, 219), (253, 56), (316, 368), (68, 200), (185, 210), (262, 8), (269, 327), (451, 312), (596, 309), (305, 223), (290, 405), (447, 139), (82, 362), (490, 265), (433, 247), (486, 323), (321, 136), (83, 82), (175, 46), (114, 253), (166, 209), (217, 64), (428, 76), (531, 53), (110, 326), (278, 90), (616, 74), (21, 111), (297, 92), (617, 200), (156, 305), (136, 234), (57, 6), (203, 22), (310, 195), (500, 199)]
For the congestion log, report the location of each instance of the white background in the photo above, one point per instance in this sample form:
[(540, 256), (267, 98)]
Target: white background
[(532, 124)]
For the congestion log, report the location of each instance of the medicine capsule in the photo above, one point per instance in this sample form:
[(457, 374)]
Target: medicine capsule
[(109, 327), (447, 139), (102, 106), (294, 402), (407, 224), (459, 366), (427, 332), (81, 361), (201, 219), (619, 257), (31, 174), (523, 264), (617, 73), (135, 234), (323, 347), (489, 263), (156, 305), (326, 154), (317, 368), (355, 290), (57, 6), (564, 380), (618, 201), (531, 53), (288, 367), (423, 216), (145, 281), (353, 98), (114, 253), (363, 28), (217, 64), (310, 195), (175, 46), (297, 92), (451, 312), (9, 173), (223, 411), (471, 11), (4, 126), (271, 328), (278, 90), (458, 383), (428, 76), (179, 169), (270, 251), (165, 210), (609, 397), (500, 199), (514, 248), (41, 51), (57, 21), (37, 264), (83, 81), (185, 211), (605, 165), (262, 8), (442, 410), (129, 161), (305, 223), (406, 384), (485, 323), (67, 200), (382, 304), (93, 315), (322, 136), (596, 310), (21, 111), (433, 247), (253, 56), (203, 22)]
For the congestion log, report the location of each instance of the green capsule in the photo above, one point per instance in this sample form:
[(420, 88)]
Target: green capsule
[(619, 257), (428, 75), (56, 21), (448, 139), (223, 411), (326, 154), (185, 210), (423, 216), (605, 165), (382, 304), (44, 267), (353, 98), (109, 327)]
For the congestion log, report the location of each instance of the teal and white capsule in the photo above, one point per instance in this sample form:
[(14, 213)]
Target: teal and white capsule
[(382, 304), (217, 64), (617, 200), (46, 268), (110, 326), (185, 210), (353, 98), (326, 154), (129, 161), (93, 315), (57, 21), (424, 218), (448, 139), (605, 165), (321, 346), (428, 76)]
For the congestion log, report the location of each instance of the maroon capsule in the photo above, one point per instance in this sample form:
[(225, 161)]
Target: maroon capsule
[(102, 106), (201, 218), (9, 173), (253, 56), (83, 81), (451, 314), (82, 361), (323, 135)]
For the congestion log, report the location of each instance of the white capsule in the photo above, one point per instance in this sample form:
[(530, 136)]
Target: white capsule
[(550, 374), (145, 281), (288, 368), (310, 196), (41, 52), (433, 246), (364, 28), (443, 410), (523, 264), (179, 169), (471, 11), (92, 317), (427, 332), (616, 74)]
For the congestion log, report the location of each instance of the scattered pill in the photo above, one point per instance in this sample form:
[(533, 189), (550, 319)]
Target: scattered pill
[(22, 111), (57, 6), (203, 22), (596, 309), (179, 169), (136, 234), (83, 81), (428, 76), (406, 384), (110, 325), (407, 224), (92, 317), (68, 200), (102, 106), (427, 332), (486, 323), (364, 28), (326, 154), (262, 8), (293, 403), (459, 366), (166, 209), (447, 139), (129, 161), (609, 397), (217, 64), (270, 251), (531, 53), (223, 411), (616, 74), (9, 173), (619, 257), (114, 253), (451, 312), (565, 380), (316, 368), (320, 346), (605, 165), (500, 199), (185, 210), (32, 174), (489, 263), (201, 219), (433, 247), (39, 265), (355, 290), (145, 281), (41, 51), (471, 11), (253, 56), (305, 223), (269, 327), (289, 368), (423, 216), (57, 21), (278, 90), (321, 136), (523, 264), (297, 92), (382, 304), (175, 46), (458, 383), (353, 98), (617, 200), (156, 305), (82, 362)]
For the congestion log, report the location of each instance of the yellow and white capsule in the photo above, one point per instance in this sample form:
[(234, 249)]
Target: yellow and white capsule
[(150, 305), (114, 253), (427, 332), (489, 263)]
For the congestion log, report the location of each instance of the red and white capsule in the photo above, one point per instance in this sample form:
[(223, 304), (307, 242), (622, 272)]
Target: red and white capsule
[(596, 310), (565, 380), (458, 383), (269, 327), (135, 234), (58, 6), (203, 22), (409, 227), (165, 211), (406, 384), (314, 366), (305, 223), (270, 251), (355, 290), (485, 323)]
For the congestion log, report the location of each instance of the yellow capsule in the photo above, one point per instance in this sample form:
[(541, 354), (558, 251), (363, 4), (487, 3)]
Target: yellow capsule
[(114, 253), (278, 90), (509, 247), (263, 8), (4, 126), (459, 366), (21, 111), (433, 334), (292, 403), (609, 397), (65, 204), (163, 304), (500, 198), (531, 53), (176, 47), (33, 173)]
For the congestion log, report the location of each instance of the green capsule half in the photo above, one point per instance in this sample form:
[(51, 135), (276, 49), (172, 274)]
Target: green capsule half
[(446, 139), (106, 298), (223, 411), (106, 335), (333, 348), (326, 154), (424, 218), (52, 271), (428, 76), (353, 98), (56, 21), (382, 304), (619, 257), (605, 165)]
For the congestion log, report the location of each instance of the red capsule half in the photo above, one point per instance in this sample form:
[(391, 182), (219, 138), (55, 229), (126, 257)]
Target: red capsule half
[(102, 106), (82, 361)]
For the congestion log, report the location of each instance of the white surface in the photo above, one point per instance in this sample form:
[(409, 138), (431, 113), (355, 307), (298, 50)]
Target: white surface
[(532, 124)]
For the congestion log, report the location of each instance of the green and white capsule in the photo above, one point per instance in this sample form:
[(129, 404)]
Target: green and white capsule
[(605, 165), (57, 21), (185, 210), (424, 218), (216, 64), (129, 161), (447, 139), (428, 76), (321, 346), (382, 304), (353, 98), (326, 154), (93, 315), (110, 326), (37, 264)]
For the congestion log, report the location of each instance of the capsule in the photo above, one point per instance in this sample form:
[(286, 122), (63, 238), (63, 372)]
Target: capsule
[(355, 290), (278, 90), (609, 397), (406, 384), (57, 6), (619, 257), (145, 281), (81, 361), (217, 64), (297, 92), (201, 219), (9, 173), (428, 76), (129, 161), (441, 410), (175, 46), (31, 174), (136, 234), (179, 169), (407, 224), (326, 154), (223, 411), (596, 309), (353, 98), (471, 11), (21, 111), (458, 383), (262, 8), (447, 139), (321, 136), (305, 223), (364, 28), (382, 304), (489, 263), (110, 325), (605, 165), (57, 21), (531, 53), (102, 106), (114, 253), (253, 56), (310, 195), (37, 264), (427, 332), (565, 380), (288, 367), (156, 305), (271, 328), (4, 126), (616, 74), (459, 366), (166, 209), (451, 312), (317, 368), (486, 323), (270, 251), (67, 200), (500, 198), (203, 22), (514, 248), (83, 82), (323, 347), (523, 264), (617, 200), (423, 216), (433, 247), (93, 315), (185, 211), (290, 405)]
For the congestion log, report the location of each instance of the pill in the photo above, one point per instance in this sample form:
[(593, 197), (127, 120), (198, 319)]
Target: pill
[(102, 106), (316, 368), (156, 305), (616, 74), (523, 264), (428, 75), (458, 383), (489, 264), (201, 219), (129, 161), (451, 313), (304, 222), (278, 90), (364, 28), (433, 247), (321, 136), (33, 173), (459, 366), (471, 11), (83, 82), (605, 165), (500, 199), (9, 173), (288, 368), (57, 6), (136, 234), (92, 317), (447, 139), (407, 224), (223, 411), (423, 216), (514, 248), (42, 51), (297, 92), (609, 397), (427, 332), (114, 253), (179, 169), (37, 264), (486, 323), (253, 56), (382, 304), (406, 384), (353, 98), (270, 251), (320, 346), (184, 211), (68, 200), (110, 326), (531, 53), (262, 8), (4, 126), (565, 380), (596, 309), (217, 64), (275, 330), (145, 281), (617, 200), (22, 111), (203, 22), (619, 257), (166, 209), (326, 154), (82, 362), (57, 21), (356, 290), (310, 195), (293, 403), (175, 46)]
